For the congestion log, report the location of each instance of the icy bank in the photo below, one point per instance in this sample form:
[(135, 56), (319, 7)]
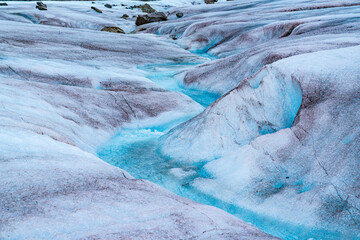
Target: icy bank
[(283, 140), (305, 174)]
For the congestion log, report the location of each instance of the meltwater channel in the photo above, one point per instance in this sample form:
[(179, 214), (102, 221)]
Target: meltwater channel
[(136, 151)]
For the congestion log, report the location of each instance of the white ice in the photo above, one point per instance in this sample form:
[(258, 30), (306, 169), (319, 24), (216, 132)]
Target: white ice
[(278, 149), (65, 89)]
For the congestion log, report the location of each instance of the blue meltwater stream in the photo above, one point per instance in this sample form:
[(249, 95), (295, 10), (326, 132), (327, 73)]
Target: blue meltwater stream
[(136, 151)]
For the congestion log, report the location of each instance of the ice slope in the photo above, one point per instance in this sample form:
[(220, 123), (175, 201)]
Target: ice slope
[(261, 105), (283, 140), (64, 91), (306, 174), (84, 50), (249, 35)]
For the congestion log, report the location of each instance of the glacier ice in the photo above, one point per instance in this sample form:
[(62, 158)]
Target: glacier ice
[(65, 88), (306, 173), (277, 144), (282, 141)]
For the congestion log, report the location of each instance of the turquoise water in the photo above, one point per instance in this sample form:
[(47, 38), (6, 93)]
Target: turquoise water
[(168, 76), (136, 151)]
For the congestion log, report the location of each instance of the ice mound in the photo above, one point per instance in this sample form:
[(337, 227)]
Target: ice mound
[(263, 104), (283, 140), (305, 174)]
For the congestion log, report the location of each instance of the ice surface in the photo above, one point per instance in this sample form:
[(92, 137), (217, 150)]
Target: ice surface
[(279, 149), (169, 76), (278, 142), (66, 88), (264, 104), (305, 174), (247, 36)]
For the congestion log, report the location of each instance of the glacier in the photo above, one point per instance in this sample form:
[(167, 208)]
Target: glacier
[(238, 120), (283, 140)]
